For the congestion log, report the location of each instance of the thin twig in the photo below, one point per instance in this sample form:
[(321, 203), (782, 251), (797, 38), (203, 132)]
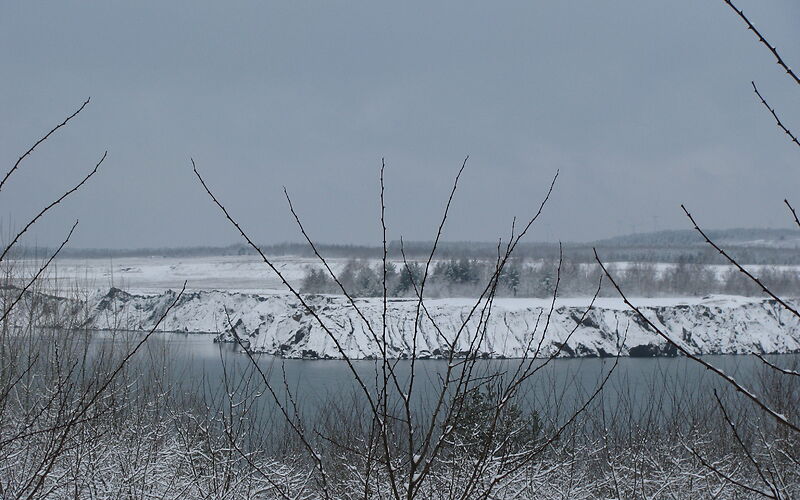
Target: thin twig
[(739, 266), (38, 273), (727, 378), (725, 476), (775, 367), (44, 138), (51, 205), (294, 291), (750, 456), (764, 42), (794, 214), (775, 115)]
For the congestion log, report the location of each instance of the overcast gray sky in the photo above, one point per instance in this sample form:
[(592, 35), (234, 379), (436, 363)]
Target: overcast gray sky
[(642, 105)]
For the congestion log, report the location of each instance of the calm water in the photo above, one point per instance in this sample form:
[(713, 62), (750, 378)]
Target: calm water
[(198, 366)]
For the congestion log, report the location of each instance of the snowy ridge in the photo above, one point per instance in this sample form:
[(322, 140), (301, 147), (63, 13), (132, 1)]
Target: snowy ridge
[(280, 325)]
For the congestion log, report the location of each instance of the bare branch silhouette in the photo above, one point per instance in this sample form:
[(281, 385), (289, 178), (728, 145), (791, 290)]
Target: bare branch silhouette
[(44, 138), (744, 447), (727, 378), (788, 132), (738, 266), (37, 275), (51, 205), (794, 214), (294, 292), (764, 41), (776, 367)]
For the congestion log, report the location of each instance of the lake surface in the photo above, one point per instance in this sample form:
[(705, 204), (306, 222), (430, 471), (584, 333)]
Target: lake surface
[(198, 367)]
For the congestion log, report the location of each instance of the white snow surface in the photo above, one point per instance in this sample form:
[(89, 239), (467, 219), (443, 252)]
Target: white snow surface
[(158, 274), (275, 322), (246, 273), (279, 324)]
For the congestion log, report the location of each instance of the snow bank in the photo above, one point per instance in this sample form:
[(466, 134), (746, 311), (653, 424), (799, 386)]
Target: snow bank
[(280, 325)]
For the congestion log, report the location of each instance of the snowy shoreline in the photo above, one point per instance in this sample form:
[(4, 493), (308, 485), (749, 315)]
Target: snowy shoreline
[(278, 324)]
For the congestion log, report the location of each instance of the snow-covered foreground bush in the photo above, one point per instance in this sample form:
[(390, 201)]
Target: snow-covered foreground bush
[(162, 458), (150, 434)]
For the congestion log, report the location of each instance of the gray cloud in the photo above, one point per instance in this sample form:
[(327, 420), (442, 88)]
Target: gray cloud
[(642, 105)]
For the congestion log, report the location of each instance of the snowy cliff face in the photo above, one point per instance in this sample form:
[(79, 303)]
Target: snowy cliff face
[(40, 310), (280, 325)]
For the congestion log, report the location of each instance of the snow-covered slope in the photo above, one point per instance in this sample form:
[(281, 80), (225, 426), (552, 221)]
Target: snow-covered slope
[(279, 324)]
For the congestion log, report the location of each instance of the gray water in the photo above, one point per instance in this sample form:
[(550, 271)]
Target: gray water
[(201, 368)]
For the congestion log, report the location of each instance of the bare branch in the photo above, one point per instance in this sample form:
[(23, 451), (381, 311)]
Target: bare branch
[(28, 152), (725, 476), (738, 266), (294, 292), (775, 367), (51, 205), (764, 41), (750, 456), (794, 214), (727, 378), (788, 132), (38, 274)]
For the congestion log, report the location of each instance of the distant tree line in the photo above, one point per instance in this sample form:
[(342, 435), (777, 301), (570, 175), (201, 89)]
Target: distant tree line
[(520, 278), (748, 246)]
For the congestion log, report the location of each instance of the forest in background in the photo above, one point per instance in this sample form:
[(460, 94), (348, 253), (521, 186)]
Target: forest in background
[(466, 277), (748, 246)]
